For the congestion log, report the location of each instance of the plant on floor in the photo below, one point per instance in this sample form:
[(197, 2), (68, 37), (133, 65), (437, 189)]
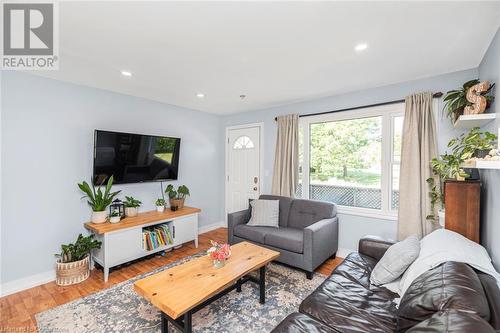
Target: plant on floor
[(79, 250), (455, 101), (131, 202), (97, 199)]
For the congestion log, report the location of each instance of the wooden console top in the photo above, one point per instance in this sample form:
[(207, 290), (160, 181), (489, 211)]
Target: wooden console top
[(140, 219)]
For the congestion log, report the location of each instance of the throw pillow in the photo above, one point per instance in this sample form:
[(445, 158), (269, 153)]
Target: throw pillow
[(265, 213), (395, 261)]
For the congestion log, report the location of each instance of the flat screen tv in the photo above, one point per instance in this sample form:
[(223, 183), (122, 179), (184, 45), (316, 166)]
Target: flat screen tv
[(134, 158)]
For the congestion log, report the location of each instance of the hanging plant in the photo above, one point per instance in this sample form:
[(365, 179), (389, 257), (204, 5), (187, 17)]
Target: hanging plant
[(455, 101)]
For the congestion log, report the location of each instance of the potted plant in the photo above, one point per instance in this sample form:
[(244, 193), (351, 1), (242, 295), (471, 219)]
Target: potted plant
[(98, 200), (131, 206), (73, 263), (476, 143), (178, 197), (160, 205), (115, 217), (455, 101)]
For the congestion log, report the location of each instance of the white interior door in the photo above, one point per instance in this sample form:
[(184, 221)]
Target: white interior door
[(243, 172)]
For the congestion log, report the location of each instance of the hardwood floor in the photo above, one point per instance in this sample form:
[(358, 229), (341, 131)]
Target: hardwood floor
[(17, 311)]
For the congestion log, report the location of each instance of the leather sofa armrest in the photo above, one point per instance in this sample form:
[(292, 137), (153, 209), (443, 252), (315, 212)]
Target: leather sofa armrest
[(234, 219), (374, 246)]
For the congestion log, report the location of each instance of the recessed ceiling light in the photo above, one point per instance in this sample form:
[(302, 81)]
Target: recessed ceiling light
[(200, 95), (126, 73), (361, 47)]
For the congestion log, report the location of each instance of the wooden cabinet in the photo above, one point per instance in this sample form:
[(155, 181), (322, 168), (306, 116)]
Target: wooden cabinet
[(462, 200)]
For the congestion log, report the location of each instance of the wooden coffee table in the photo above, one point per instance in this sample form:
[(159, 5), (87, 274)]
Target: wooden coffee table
[(180, 291)]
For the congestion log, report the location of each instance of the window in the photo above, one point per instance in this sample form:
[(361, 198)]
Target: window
[(243, 142), (352, 159)]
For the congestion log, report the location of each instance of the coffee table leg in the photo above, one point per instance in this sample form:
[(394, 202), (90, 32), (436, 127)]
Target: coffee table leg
[(262, 284), (188, 325), (238, 285), (164, 323)]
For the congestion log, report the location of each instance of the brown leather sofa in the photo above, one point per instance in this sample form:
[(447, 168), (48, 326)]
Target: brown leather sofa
[(452, 297)]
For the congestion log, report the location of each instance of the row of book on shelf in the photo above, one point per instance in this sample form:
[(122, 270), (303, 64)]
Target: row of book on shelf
[(156, 236)]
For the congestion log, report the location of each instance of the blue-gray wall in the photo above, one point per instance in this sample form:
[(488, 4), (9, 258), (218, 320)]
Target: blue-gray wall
[(489, 69), (47, 139), (352, 227)]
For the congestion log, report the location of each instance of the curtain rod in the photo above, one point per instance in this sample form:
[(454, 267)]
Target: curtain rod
[(435, 95)]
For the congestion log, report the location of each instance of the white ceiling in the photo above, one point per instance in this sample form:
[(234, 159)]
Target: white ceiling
[(274, 52)]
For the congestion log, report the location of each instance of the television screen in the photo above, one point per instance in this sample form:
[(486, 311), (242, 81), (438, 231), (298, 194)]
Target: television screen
[(134, 158)]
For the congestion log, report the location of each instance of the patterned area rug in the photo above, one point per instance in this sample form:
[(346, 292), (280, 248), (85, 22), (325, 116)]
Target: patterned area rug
[(120, 309)]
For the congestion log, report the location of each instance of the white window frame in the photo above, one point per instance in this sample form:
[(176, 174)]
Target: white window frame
[(387, 112)]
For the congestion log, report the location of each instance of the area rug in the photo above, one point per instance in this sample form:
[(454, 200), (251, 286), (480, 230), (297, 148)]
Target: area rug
[(120, 309)]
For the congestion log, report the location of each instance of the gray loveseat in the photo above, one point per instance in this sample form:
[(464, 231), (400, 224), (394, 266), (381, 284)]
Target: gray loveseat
[(306, 237)]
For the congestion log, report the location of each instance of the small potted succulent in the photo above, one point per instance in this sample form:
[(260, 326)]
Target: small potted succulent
[(114, 217), (131, 206), (177, 197), (73, 263), (98, 200), (160, 205)]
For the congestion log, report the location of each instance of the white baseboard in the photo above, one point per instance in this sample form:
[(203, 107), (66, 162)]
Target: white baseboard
[(210, 227), (342, 252), (41, 278), (27, 282)]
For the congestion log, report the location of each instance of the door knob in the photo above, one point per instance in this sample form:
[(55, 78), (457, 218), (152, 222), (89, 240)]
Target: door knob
[(255, 188)]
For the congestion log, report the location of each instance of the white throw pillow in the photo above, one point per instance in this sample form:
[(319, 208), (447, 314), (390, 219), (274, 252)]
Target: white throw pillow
[(265, 213), (395, 261)]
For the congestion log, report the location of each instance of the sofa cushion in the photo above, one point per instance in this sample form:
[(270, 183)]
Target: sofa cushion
[(255, 234), (452, 285), (303, 213), (285, 203), (453, 321), (347, 302), (265, 213), (287, 239), (301, 323), (396, 260)]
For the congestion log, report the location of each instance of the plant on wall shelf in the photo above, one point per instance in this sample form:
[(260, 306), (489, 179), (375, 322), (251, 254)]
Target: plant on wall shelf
[(455, 101), (476, 143)]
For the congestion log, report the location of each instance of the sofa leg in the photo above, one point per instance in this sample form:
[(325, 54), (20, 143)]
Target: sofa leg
[(309, 275), (334, 256)]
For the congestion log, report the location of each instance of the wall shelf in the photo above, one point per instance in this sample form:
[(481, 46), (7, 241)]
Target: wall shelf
[(482, 164), (474, 120)]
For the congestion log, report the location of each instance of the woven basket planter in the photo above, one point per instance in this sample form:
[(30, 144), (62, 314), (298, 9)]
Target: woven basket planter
[(177, 202), (72, 272)]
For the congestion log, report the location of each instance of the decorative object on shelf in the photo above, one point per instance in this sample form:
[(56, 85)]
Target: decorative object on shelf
[(72, 265), (219, 253), (160, 205), (470, 96), (131, 206), (178, 197), (119, 206), (464, 149), (114, 217), (99, 200)]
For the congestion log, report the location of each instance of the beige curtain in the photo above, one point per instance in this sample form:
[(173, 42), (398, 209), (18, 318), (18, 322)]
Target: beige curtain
[(286, 156), (418, 148)]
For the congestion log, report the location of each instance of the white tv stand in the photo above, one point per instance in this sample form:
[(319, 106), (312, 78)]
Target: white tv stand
[(122, 241)]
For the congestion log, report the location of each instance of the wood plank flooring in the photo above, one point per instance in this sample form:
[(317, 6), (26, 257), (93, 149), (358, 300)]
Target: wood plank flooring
[(17, 311)]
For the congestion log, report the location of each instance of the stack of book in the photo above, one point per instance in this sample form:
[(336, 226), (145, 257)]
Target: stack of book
[(156, 236)]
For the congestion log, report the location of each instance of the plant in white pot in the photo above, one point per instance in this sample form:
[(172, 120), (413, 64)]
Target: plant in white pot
[(160, 205), (99, 200), (73, 263), (115, 217), (131, 206)]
